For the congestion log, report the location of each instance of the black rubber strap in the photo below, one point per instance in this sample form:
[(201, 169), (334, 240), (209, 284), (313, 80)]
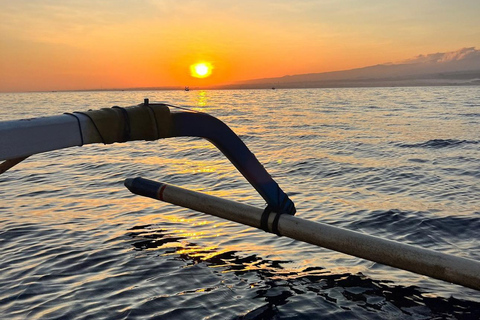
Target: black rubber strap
[(155, 119), (79, 126), (94, 124), (275, 224), (264, 218), (264, 221), (276, 219), (126, 129)]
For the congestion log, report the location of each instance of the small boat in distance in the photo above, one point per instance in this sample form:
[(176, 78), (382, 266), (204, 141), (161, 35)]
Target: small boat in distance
[(187, 89)]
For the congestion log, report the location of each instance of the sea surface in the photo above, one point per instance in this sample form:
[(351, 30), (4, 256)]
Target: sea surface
[(397, 163)]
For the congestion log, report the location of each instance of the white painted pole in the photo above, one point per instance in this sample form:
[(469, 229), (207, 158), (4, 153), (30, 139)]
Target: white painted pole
[(21, 138), (437, 265)]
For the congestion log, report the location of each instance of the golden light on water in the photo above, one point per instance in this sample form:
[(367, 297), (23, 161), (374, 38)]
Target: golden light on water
[(201, 69)]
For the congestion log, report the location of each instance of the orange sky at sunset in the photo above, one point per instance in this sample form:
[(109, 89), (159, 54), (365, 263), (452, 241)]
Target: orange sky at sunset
[(69, 45)]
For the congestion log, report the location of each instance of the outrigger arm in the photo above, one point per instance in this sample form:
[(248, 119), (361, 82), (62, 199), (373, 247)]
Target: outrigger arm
[(147, 121)]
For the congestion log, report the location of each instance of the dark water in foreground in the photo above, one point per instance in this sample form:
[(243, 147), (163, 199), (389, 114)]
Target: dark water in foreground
[(399, 163)]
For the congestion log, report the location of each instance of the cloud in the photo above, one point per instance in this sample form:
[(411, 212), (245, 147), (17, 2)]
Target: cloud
[(444, 57)]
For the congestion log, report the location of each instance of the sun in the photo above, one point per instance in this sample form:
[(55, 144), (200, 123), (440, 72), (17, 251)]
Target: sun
[(201, 69)]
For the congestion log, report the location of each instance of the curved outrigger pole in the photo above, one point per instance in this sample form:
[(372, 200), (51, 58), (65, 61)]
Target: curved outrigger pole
[(147, 121), (199, 124)]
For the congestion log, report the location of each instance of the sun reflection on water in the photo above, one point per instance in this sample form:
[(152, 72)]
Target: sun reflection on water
[(199, 101)]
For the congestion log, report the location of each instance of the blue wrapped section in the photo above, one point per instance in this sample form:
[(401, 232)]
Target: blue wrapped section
[(196, 124)]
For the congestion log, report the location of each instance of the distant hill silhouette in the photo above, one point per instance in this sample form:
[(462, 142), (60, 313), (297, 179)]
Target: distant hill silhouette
[(460, 67)]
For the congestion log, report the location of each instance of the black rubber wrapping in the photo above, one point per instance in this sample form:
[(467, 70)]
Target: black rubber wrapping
[(142, 122), (152, 112), (144, 187), (126, 127), (275, 224), (264, 218), (264, 221)]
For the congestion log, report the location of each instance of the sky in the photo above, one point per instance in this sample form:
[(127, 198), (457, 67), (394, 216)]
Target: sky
[(88, 44)]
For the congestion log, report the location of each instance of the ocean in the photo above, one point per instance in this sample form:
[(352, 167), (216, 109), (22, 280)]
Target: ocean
[(397, 163)]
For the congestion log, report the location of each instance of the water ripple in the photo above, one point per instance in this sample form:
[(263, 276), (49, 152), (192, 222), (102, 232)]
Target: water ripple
[(439, 143)]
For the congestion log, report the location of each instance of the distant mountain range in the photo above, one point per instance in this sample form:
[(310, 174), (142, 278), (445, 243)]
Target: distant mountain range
[(460, 67)]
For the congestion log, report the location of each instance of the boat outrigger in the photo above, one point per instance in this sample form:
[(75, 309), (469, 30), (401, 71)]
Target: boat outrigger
[(20, 139)]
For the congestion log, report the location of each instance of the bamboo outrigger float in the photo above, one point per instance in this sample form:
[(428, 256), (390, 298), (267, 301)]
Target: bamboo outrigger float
[(22, 138)]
